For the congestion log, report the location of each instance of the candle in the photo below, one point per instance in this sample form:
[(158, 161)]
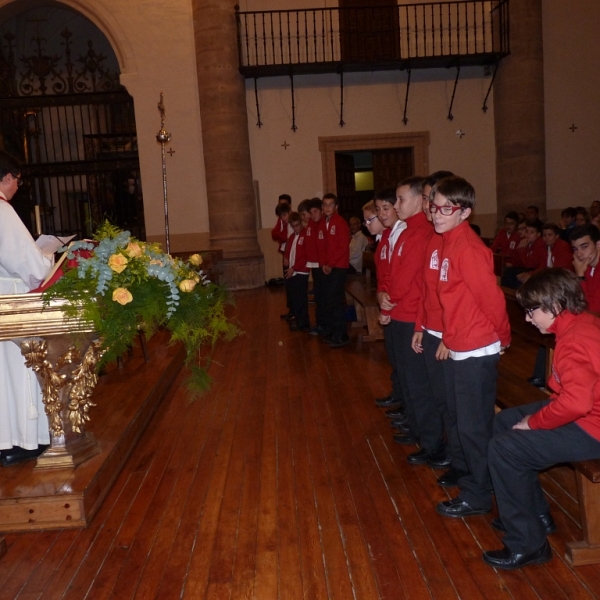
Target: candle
[(38, 221)]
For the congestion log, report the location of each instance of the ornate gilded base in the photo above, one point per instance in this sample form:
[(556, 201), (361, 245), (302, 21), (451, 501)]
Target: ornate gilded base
[(71, 455)]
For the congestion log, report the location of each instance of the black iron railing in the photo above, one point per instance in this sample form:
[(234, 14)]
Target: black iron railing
[(377, 37)]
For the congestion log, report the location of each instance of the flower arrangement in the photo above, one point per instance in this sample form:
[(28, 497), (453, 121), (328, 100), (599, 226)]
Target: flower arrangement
[(121, 285)]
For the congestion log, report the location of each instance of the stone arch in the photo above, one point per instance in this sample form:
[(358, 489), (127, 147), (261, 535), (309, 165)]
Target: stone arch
[(96, 13)]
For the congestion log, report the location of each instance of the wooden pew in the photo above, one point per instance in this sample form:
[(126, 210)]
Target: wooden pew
[(361, 292), (514, 391)]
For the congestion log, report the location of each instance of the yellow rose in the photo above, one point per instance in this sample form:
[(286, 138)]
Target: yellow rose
[(195, 259), (155, 261), (134, 250), (187, 285), (117, 262), (122, 296)]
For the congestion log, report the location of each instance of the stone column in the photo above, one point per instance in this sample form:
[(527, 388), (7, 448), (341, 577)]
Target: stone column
[(231, 202), (519, 114)]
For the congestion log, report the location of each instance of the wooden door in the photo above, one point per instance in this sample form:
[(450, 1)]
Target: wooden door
[(391, 165), (369, 30), (345, 184)]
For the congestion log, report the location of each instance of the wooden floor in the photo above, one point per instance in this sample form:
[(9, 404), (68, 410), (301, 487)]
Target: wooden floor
[(283, 482)]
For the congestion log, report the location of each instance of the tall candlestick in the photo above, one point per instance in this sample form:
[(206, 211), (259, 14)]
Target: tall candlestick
[(38, 220), (163, 137)]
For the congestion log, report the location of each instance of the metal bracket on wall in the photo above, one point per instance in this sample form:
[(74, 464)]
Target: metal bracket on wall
[(293, 104), (405, 118), (485, 107), (342, 97), (258, 122), (450, 115)]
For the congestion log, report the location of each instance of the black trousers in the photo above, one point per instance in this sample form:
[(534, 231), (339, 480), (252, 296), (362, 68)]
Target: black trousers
[(298, 294), (474, 381), (424, 419), (334, 304), (442, 388), (318, 277), (509, 277), (388, 339), (515, 457)]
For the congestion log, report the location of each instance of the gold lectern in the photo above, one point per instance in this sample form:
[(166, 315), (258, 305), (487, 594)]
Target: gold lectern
[(63, 353)]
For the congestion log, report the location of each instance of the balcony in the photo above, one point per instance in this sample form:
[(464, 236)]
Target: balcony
[(392, 37)]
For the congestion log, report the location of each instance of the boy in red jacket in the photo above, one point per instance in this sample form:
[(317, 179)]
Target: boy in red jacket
[(566, 428), (585, 243), (475, 330), (508, 238), (531, 257), (335, 269), (296, 275), (400, 299), (315, 252)]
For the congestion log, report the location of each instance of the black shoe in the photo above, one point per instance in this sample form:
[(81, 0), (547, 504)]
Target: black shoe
[(547, 522), (450, 478), (458, 508), (438, 458), (338, 343), (17, 454), (387, 401), (395, 413), (401, 427), (537, 381), (287, 316), (419, 457), (316, 330), (406, 439), (507, 560)]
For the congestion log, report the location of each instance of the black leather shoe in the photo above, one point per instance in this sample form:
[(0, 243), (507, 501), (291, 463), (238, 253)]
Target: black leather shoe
[(287, 316), (537, 381), (507, 560), (438, 458), (338, 343), (406, 439), (316, 330), (450, 477), (401, 427), (457, 508), (387, 401), (17, 455), (419, 457), (396, 413), (547, 522)]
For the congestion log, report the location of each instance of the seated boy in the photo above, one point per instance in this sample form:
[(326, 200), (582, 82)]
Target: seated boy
[(296, 275), (508, 238), (566, 428), (475, 330), (585, 243), (530, 257)]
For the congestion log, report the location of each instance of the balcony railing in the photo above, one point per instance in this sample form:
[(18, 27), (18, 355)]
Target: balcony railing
[(397, 36)]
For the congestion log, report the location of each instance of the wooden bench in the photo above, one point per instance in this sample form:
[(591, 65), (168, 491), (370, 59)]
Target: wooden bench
[(360, 293), (514, 391)]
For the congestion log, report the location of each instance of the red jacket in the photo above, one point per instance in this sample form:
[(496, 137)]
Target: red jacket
[(403, 280), (562, 255), (533, 256), (506, 244), (299, 264), (322, 242), (280, 234), (381, 257), (575, 377), (429, 315), (337, 242), (311, 232), (591, 288), (473, 306)]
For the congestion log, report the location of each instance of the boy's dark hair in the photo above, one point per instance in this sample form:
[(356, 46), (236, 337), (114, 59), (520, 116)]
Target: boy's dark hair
[(582, 230), (414, 182), (295, 218), (314, 203), (387, 195), (552, 226), (304, 206), (286, 197), (330, 196), (569, 212), (282, 209), (553, 290), (8, 164), (535, 224), (456, 190), (513, 215), (534, 207), (581, 210), (435, 177)]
